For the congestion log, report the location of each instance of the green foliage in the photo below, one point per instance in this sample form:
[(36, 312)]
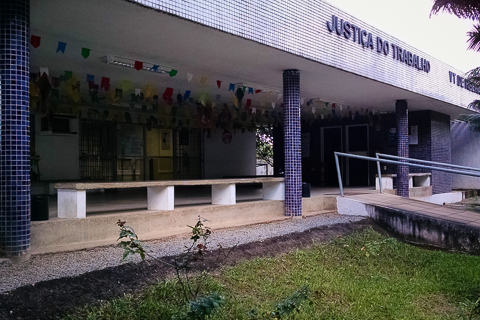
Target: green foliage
[(396, 281), (469, 9), (373, 248), (34, 165), (132, 245), (204, 306), (198, 307), (264, 144), (291, 304)]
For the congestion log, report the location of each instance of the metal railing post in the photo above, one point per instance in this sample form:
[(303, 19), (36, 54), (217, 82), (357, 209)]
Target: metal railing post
[(339, 175), (378, 160), (379, 175), (448, 165)]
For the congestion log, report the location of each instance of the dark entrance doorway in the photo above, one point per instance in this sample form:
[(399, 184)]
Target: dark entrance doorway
[(357, 143), (331, 142)]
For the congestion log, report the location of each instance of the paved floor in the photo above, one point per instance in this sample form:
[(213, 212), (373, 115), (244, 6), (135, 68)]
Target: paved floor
[(420, 207)]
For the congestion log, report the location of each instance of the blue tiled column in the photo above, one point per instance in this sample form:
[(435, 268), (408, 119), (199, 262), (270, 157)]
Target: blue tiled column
[(14, 129), (292, 130), (401, 109)]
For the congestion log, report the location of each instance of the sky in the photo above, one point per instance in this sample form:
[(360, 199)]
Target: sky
[(442, 36)]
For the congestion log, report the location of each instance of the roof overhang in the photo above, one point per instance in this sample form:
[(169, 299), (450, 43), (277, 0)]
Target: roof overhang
[(131, 31)]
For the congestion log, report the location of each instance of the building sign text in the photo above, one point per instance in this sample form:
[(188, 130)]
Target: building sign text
[(366, 39)]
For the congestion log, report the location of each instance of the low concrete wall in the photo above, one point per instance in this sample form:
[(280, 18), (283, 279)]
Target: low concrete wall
[(101, 229), (442, 198), (96, 230), (417, 228), (317, 203), (414, 192)]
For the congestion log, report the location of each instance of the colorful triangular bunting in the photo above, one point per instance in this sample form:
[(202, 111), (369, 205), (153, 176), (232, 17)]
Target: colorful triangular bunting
[(138, 65), (35, 41), (61, 46), (85, 53)]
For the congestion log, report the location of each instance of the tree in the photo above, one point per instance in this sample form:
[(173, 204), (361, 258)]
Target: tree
[(265, 145), (467, 9)]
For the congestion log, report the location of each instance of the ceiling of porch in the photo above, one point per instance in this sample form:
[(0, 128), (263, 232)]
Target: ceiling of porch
[(131, 31)]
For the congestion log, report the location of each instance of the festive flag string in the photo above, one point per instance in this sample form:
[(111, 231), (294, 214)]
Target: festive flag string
[(186, 95), (35, 41), (61, 46), (105, 84), (68, 75), (85, 53), (138, 65), (43, 70)]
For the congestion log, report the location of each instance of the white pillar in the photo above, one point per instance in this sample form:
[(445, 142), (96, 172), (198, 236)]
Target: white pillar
[(274, 191), (223, 194), (72, 204), (161, 198)]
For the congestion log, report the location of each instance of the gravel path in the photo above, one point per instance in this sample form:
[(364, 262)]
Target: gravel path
[(66, 264)]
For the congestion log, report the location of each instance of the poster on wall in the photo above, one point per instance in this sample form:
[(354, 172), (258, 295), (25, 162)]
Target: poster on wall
[(413, 137), (166, 147), (131, 146)]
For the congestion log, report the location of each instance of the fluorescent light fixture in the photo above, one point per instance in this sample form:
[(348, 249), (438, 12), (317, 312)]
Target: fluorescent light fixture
[(323, 100), (264, 89), (130, 63)]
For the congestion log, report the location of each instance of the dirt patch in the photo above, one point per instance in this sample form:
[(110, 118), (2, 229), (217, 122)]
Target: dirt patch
[(54, 298), (434, 305)]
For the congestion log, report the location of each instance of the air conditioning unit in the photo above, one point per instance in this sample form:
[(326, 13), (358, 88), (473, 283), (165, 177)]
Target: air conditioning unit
[(59, 124)]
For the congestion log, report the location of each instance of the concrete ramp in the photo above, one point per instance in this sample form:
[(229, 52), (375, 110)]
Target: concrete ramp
[(417, 221)]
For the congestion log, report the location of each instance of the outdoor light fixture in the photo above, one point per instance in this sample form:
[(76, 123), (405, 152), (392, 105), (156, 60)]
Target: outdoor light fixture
[(130, 63), (323, 100), (264, 89)]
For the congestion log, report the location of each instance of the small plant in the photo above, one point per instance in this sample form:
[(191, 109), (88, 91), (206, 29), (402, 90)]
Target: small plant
[(204, 306), (189, 261), (292, 303), (132, 246), (373, 248), (471, 310), (34, 165)]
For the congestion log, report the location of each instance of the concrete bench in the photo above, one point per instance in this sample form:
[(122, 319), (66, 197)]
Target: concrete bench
[(161, 194), (414, 180)]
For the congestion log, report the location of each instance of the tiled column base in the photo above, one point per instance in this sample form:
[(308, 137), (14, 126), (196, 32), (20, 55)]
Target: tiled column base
[(292, 130), (401, 109), (14, 129)]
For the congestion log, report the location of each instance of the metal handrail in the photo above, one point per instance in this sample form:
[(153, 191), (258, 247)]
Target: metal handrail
[(388, 156), (378, 160)]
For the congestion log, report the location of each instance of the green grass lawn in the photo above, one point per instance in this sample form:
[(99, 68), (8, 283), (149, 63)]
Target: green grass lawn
[(363, 276)]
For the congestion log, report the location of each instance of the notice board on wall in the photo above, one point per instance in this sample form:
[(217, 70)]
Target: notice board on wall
[(305, 145)]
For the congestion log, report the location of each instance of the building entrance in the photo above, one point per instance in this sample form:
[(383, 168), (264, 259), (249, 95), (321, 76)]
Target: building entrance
[(331, 142), (357, 143)]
